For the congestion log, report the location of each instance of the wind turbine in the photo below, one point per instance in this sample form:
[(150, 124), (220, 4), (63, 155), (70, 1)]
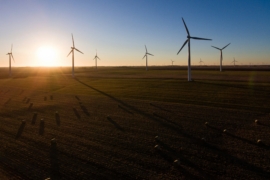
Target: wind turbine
[(234, 61), (221, 57), (72, 51), (10, 56), (172, 62), (146, 53), (200, 62), (188, 40), (95, 58)]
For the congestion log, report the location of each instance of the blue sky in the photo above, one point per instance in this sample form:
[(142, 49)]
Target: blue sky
[(119, 29)]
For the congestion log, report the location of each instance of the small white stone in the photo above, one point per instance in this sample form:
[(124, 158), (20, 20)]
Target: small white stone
[(206, 123), (225, 130), (53, 140), (176, 162)]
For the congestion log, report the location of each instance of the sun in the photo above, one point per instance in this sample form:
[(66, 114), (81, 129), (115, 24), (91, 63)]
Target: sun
[(46, 56)]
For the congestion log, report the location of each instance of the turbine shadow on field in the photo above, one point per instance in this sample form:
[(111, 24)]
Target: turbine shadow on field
[(7, 101), (84, 109), (246, 140), (34, 118), (230, 85), (20, 130), (125, 109), (115, 124), (219, 130), (55, 174), (76, 113), (41, 128), (163, 118), (165, 123), (171, 154), (158, 107), (241, 163)]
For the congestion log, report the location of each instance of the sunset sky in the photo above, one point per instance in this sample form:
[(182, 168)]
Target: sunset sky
[(41, 31)]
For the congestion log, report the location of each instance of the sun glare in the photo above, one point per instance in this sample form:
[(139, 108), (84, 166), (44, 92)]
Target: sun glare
[(46, 56)]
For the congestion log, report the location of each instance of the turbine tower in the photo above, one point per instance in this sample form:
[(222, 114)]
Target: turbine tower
[(188, 40), (72, 51), (146, 53), (221, 57), (201, 62), (234, 61), (10, 56), (172, 62), (95, 58)]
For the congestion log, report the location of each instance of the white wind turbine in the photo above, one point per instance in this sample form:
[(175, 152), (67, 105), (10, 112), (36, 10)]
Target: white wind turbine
[(72, 51), (172, 62), (188, 40), (201, 62), (221, 57), (10, 56), (234, 61), (95, 58), (146, 53)]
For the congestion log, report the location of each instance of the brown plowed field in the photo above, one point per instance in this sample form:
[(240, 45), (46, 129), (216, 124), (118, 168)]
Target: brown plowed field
[(107, 124)]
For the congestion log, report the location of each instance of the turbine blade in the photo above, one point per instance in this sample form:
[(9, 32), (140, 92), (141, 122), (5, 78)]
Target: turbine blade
[(150, 54), (185, 26), (98, 57), (182, 46), (200, 38), (73, 40), (11, 48), (78, 50), (69, 52), (12, 57), (216, 47), (145, 48), (226, 46), (144, 56)]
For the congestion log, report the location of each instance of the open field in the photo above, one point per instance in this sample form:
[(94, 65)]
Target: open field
[(109, 118)]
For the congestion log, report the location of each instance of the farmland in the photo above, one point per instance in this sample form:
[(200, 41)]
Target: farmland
[(109, 119)]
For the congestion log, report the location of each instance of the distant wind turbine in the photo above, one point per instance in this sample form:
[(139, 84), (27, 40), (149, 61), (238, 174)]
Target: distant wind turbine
[(95, 58), (221, 57), (234, 61), (188, 40), (172, 62), (200, 62), (146, 53), (10, 56), (72, 51)]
